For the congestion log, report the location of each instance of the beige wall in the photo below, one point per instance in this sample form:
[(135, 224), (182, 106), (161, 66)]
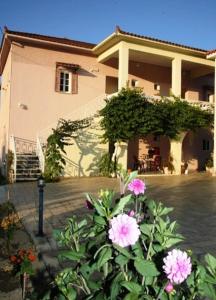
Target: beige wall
[(85, 152), (4, 107), (192, 149), (34, 86)]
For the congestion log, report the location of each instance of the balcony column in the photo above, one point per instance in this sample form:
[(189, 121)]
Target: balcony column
[(214, 150), (176, 77), (123, 65), (176, 153)]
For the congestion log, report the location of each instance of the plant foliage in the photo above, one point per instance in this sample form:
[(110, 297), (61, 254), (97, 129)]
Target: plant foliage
[(102, 270), (56, 142), (130, 114)]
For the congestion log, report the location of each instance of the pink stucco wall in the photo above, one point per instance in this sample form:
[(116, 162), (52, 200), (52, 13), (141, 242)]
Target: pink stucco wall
[(33, 80)]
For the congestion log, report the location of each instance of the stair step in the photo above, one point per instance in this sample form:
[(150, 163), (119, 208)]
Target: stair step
[(28, 167), (26, 179), (28, 171), (18, 176)]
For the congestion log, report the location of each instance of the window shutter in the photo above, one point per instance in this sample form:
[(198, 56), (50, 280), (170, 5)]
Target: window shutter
[(74, 82), (57, 79)]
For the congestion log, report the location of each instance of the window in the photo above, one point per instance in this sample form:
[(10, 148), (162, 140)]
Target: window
[(134, 83), (66, 80), (205, 145), (157, 87)]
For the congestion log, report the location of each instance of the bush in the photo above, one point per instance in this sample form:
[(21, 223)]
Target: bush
[(106, 166), (127, 249)]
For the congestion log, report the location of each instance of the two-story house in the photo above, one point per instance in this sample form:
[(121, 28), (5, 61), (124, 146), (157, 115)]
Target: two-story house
[(46, 78)]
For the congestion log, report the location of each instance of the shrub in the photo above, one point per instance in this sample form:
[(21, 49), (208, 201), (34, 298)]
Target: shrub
[(127, 249)]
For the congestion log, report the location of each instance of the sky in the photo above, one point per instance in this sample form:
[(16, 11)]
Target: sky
[(188, 22)]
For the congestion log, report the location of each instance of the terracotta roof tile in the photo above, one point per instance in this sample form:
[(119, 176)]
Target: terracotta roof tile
[(118, 29), (211, 51), (65, 41)]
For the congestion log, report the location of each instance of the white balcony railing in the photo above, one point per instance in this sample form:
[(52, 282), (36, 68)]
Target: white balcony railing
[(204, 105)]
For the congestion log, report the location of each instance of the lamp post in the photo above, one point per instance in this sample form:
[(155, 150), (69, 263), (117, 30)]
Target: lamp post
[(41, 185)]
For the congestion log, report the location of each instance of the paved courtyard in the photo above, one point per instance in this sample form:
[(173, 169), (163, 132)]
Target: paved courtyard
[(192, 196)]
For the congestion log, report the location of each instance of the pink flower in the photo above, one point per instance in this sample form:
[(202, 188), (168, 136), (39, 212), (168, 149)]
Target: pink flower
[(131, 213), (169, 287), (177, 266), (124, 230), (137, 186)]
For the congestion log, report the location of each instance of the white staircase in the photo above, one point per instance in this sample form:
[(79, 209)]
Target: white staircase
[(26, 164)]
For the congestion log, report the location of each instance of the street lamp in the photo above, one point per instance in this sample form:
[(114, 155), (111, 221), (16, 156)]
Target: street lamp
[(41, 185)]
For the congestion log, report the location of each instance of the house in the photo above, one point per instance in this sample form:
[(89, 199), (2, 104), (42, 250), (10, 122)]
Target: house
[(46, 78)]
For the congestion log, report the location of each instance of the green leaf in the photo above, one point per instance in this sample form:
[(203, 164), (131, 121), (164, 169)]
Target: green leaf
[(146, 229), (71, 255), (132, 287), (115, 286), (211, 261), (120, 206), (131, 296), (131, 176), (172, 241), (146, 268), (165, 211), (123, 251), (99, 220), (71, 293), (121, 260), (104, 256), (98, 206)]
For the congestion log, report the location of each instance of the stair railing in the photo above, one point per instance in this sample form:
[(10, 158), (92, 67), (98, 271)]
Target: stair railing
[(13, 149), (24, 146), (40, 154), (71, 168)]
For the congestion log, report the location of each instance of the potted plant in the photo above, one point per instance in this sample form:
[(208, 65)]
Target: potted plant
[(168, 167), (209, 165)]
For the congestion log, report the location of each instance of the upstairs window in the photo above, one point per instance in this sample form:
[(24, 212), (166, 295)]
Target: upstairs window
[(66, 80), (206, 146)]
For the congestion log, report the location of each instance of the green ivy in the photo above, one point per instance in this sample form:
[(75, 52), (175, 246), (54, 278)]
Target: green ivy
[(56, 142), (130, 114)]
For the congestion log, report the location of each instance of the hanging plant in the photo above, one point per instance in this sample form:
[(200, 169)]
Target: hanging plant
[(130, 114), (56, 142)]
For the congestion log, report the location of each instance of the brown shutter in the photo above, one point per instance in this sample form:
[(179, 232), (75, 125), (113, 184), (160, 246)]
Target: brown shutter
[(74, 87), (57, 79)]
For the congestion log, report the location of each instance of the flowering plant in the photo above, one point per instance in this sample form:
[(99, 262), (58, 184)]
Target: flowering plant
[(9, 224), (127, 249), (22, 261)]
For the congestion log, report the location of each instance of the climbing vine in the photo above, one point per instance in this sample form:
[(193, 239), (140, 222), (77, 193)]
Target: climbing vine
[(130, 114), (56, 142)]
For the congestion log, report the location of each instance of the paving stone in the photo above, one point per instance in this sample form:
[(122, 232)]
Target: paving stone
[(192, 196)]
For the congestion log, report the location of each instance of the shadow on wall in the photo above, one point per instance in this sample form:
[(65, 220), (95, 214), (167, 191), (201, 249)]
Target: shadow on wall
[(86, 151), (197, 148)]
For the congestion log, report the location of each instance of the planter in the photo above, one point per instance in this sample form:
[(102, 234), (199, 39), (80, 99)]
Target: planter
[(210, 169), (166, 170)]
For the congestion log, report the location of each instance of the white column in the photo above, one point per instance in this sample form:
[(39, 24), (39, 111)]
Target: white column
[(176, 76), (121, 152), (214, 150), (123, 65), (176, 153)]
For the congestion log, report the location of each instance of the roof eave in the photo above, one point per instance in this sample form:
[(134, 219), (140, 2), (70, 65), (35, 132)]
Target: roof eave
[(211, 55), (47, 42), (119, 36)]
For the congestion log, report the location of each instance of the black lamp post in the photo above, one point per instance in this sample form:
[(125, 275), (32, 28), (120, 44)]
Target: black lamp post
[(41, 185)]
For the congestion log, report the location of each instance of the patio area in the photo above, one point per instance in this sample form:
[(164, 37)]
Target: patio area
[(193, 198)]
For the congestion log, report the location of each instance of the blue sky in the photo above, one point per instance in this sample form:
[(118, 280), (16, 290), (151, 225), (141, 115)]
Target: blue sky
[(189, 22)]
